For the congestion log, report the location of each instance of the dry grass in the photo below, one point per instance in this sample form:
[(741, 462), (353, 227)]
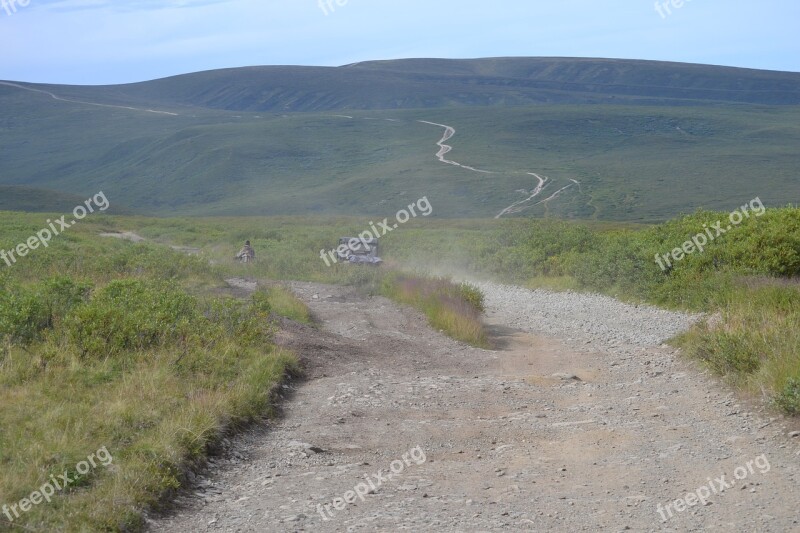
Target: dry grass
[(451, 308), (285, 304)]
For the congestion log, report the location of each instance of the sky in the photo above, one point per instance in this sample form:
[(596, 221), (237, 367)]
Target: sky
[(91, 42)]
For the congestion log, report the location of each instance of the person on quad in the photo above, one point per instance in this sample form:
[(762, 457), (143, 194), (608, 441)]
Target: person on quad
[(246, 254)]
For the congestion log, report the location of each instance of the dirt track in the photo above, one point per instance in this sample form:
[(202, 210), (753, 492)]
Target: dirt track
[(541, 434)]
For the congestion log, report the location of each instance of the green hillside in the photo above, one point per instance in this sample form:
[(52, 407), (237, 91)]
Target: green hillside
[(28, 199), (184, 145), (435, 83)]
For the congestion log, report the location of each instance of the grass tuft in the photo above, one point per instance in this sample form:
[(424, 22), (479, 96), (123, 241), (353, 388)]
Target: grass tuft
[(452, 308), (284, 303)]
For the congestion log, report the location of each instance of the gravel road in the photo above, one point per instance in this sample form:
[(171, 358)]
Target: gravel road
[(595, 319), (580, 419)]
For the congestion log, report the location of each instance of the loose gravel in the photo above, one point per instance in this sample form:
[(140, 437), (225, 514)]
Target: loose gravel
[(583, 317), (579, 420)]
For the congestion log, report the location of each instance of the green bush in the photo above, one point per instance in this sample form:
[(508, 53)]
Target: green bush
[(60, 295), (249, 323), (472, 295), (131, 315), (789, 398), (145, 372), (23, 316), (729, 353), (26, 312)]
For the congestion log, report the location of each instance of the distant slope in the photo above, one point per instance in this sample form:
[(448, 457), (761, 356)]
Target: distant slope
[(36, 200), (436, 83), (635, 163), (33, 200), (222, 143)]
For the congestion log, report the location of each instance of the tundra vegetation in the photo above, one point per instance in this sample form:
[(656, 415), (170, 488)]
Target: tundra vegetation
[(106, 344), (137, 348)]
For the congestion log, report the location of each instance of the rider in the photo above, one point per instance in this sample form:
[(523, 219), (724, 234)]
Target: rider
[(246, 254)]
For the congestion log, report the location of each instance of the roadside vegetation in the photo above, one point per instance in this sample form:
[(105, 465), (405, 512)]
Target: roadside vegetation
[(746, 279), (281, 302), (136, 348), (450, 307), (105, 344)]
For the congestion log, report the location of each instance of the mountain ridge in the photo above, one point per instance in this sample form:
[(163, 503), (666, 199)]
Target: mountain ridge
[(431, 83)]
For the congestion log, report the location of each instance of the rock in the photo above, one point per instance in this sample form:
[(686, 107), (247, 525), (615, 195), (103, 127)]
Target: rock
[(566, 377)]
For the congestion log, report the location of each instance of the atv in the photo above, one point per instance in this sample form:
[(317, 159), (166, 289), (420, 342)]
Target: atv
[(359, 251)]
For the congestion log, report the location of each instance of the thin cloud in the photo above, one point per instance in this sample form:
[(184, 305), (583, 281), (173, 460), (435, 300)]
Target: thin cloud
[(68, 6)]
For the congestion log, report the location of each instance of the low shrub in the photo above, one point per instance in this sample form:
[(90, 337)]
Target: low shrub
[(131, 315), (789, 397)]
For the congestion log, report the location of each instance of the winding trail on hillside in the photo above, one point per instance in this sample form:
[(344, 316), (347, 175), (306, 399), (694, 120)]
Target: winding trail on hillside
[(60, 99), (516, 207), (578, 420), (444, 149), (525, 204)]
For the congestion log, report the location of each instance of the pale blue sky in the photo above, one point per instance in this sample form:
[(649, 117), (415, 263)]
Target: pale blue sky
[(105, 41)]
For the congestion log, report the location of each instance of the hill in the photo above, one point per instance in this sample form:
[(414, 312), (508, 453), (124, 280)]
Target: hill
[(435, 83), (224, 143)]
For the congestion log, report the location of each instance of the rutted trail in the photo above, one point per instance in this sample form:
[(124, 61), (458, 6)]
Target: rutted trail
[(591, 427), (521, 205), (516, 207), (444, 149), (60, 99)]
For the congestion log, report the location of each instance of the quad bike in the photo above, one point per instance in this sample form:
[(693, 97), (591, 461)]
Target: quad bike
[(359, 251)]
